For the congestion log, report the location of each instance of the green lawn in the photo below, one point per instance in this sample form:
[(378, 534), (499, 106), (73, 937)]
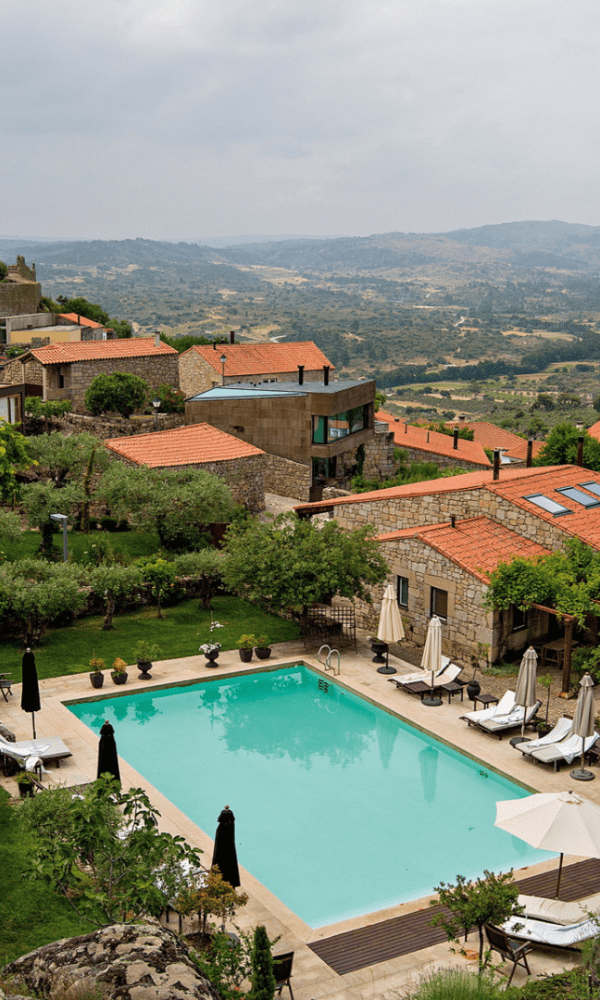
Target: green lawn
[(184, 628), (31, 915), (130, 543)]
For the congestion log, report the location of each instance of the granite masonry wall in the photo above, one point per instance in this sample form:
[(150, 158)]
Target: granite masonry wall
[(154, 369), (393, 513), (442, 461), (198, 375), (287, 478), (112, 427), (379, 454)]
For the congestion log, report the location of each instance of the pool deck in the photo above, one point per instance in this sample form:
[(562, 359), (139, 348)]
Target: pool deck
[(312, 977)]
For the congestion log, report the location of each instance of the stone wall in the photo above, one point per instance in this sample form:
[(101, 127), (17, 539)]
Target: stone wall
[(287, 478), (19, 297), (155, 369), (393, 513), (379, 454), (198, 375), (112, 427), (15, 372), (442, 461)]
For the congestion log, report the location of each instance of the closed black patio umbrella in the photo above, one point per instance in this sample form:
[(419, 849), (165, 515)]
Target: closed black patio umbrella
[(224, 854), (108, 759), (30, 689)]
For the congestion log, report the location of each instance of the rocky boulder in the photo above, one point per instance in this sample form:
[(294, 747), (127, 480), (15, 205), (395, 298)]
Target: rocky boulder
[(119, 962)]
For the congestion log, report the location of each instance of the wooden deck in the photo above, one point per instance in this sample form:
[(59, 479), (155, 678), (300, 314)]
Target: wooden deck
[(402, 935)]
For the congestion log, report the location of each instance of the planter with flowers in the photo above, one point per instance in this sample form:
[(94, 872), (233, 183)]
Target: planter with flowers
[(145, 652), (26, 782), (246, 644), (263, 649), (96, 675), (119, 671), (211, 649)]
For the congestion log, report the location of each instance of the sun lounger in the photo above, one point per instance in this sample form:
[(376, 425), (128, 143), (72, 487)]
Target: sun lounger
[(554, 911), (420, 675), (502, 724), (553, 935), (49, 749), (559, 732), (567, 750), (504, 706)]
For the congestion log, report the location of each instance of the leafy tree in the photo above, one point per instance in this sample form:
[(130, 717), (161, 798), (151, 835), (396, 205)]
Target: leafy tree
[(39, 410), (263, 979), (121, 327), (103, 851), (10, 526), (40, 500), (544, 401), (65, 458), (3, 270), (290, 563), (36, 592), (561, 448), (380, 400), (207, 894), (14, 457), (178, 504), (120, 392), (171, 400), (205, 567), (159, 575), (82, 307), (596, 403), (488, 900), (114, 583)]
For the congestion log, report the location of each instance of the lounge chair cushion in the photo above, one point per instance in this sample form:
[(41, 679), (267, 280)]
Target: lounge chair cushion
[(567, 750), (515, 718), (553, 935), (556, 911), (559, 732), (504, 706)]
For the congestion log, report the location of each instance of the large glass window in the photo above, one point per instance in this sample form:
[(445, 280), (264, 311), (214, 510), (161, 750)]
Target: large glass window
[(402, 591), (439, 603), (340, 425), (319, 430)]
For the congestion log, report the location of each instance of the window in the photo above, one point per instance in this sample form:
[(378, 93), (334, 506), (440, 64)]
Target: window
[(319, 430), (439, 603), (592, 487), (520, 618), (402, 591), (578, 496), (340, 425), (550, 506)]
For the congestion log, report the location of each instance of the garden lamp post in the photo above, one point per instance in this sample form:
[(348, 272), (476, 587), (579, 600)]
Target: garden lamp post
[(156, 404), (62, 518), (223, 359)]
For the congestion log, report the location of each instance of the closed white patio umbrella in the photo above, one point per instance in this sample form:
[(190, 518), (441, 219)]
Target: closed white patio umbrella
[(432, 657), (584, 723), (390, 625), (555, 821), (525, 693)]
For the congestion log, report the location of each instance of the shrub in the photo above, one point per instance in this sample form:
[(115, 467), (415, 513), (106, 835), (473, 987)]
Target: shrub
[(455, 984)]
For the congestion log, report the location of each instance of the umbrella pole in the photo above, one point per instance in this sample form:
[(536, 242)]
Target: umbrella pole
[(33, 723), (560, 863)]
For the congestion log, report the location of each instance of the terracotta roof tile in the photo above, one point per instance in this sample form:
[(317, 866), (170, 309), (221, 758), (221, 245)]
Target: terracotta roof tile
[(410, 436), (192, 445), (476, 544), (82, 321), (580, 521), (490, 436), (594, 430), (92, 350), (262, 359)]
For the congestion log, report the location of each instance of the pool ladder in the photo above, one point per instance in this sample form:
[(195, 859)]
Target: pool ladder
[(327, 663)]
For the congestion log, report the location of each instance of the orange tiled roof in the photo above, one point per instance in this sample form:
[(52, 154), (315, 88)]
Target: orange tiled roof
[(594, 430), (581, 521), (409, 436), (447, 484), (192, 445), (262, 359), (477, 544), (82, 321), (490, 436), (92, 350)]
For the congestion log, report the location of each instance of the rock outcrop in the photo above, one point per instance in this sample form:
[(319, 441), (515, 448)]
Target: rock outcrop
[(119, 962)]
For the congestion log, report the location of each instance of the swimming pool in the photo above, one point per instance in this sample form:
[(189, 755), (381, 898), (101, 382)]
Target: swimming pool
[(341, 808)]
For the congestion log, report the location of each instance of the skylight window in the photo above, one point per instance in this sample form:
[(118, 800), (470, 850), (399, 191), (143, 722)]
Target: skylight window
[(550, 506), (592, 487), (578, 496)]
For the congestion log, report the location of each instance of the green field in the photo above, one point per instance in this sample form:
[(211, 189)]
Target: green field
[(129, 544)]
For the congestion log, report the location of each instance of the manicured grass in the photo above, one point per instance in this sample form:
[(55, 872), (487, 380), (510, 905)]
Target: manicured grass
[(130, 543), (184, 628), (31, 915)]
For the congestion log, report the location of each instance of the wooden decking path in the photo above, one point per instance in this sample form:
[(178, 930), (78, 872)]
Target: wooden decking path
[(402, 935)]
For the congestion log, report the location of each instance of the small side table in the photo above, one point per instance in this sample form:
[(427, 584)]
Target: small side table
[(418, 687), (453, 687), (485, 699)]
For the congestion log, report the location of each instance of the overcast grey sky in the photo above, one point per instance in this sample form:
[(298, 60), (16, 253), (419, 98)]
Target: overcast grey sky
[(176, 119)]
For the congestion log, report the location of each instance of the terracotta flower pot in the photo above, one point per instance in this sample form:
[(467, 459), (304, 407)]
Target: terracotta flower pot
[(97, 679)]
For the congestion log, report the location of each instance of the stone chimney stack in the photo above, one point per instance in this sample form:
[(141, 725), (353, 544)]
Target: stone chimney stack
[(300, 374)]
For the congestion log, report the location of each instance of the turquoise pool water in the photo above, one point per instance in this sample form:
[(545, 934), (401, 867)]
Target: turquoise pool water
[(340, 808)]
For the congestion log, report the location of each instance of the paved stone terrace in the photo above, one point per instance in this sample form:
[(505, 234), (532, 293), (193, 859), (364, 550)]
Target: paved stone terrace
[(312, 978)]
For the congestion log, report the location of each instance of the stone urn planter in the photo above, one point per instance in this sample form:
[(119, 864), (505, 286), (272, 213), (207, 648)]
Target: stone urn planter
[(379, 648), (473, 689), (97, 678), (144, 667), (212, 658)]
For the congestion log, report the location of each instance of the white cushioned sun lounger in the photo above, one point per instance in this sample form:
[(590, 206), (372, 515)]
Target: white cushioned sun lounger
[(559, 732), (556, 912), (501, 724), (421, 675), (553, 935), (504, 706), (47, 749), (567, 750)]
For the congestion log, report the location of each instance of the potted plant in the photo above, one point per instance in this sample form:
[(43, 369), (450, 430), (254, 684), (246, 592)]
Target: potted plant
[(262, 647), (25, 781), (119, 671), (96, 676), (246, 644), (145, 652), (211, 651), (474, 687), (543, 726)]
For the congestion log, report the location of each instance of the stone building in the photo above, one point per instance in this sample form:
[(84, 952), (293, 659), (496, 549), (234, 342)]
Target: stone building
[(423, 445), (65, 370), (311, 431), (472, 521), (202, 368), (20, 292), (200, 446)]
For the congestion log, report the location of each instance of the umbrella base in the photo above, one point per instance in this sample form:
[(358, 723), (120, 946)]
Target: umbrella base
[(432, 701), (582, 775), (519, 739), (386, 669)]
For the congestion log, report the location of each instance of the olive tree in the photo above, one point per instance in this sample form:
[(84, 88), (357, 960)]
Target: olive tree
[(114, 583), (121, 392), (36, 592), (40, 500)]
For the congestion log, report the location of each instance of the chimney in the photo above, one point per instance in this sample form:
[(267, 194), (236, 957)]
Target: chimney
[(232, 336), (427, 437), (452, 520), (157, 339), (300, 374), (580, 441), (461, 418), (496, 473), (214, 345), (325, 374), (529, 452), (406, 427), (456, 437), (396, 420)]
